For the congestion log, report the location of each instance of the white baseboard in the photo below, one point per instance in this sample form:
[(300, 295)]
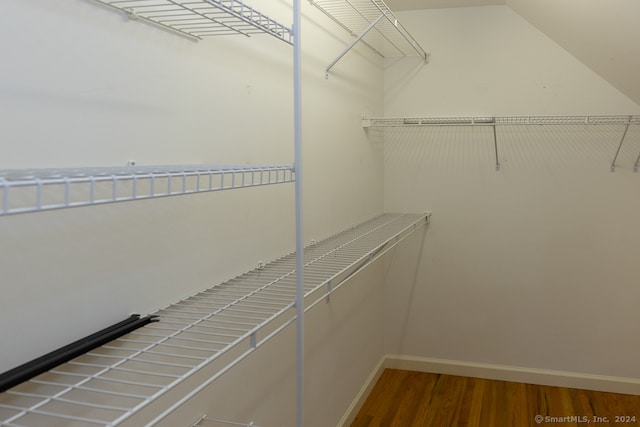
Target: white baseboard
[(362, 395), (515, 374), (492, 372)]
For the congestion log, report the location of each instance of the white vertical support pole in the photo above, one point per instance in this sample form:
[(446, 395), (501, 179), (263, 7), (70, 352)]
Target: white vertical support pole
[(297, 138)]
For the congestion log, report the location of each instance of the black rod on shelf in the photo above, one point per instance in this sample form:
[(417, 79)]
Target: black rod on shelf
[(57, 357)]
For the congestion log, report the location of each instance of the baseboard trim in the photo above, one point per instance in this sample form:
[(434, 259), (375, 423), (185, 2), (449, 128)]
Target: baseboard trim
[(515, 374), (492, 372), (361, 397)]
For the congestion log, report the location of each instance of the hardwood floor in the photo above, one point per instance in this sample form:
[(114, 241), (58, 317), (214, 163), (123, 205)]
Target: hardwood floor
[(412, 399)]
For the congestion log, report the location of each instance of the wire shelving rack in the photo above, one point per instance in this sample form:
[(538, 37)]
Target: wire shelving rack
[(23, 191), (125, 376), (372, 23), (212, 330), (623, 122), (202, 18), (212, 422)]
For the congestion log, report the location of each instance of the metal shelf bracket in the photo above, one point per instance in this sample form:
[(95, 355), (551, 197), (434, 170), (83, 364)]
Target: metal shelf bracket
[(495, 146), (355, 42), (624, 134), (363, 20)]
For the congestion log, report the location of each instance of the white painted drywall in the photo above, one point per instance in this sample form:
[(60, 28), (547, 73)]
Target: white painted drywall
[(489, 61), (80, 85), (603, 35), (534, 266)]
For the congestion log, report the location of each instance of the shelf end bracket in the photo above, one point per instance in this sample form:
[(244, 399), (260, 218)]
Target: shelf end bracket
[(495, 146), (353, 43), (624, 134)]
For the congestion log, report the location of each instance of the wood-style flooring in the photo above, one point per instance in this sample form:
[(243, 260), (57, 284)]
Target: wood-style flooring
[(411, 399)]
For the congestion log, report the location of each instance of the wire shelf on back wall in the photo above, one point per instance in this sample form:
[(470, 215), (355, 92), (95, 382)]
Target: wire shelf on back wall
[(618, 127), (210, 331), (202, 18), (33, 190)]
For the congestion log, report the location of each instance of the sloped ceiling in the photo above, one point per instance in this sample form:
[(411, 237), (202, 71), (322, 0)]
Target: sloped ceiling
[(604, 35)]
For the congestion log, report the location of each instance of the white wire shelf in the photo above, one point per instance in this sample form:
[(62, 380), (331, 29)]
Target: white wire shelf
[(34, 190), (202, 18), (621, 122), (372, 23), (499, 121), (212, 422), (217, 327)]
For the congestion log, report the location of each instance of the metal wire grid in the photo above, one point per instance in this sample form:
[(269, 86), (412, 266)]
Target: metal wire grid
[(109, 384), (388, 37), (44, 189), (202, 18), (614, 122), (212, 422), (505, 120)]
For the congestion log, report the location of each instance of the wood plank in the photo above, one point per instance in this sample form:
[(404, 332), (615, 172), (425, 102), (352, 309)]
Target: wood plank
[(417, 399)]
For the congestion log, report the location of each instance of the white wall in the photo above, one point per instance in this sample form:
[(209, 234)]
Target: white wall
[(489, 61), (601, 34), (80, 85), (534, 266)]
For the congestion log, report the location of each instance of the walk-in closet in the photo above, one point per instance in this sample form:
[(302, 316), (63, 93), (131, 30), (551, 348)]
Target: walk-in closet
[(246, 213)]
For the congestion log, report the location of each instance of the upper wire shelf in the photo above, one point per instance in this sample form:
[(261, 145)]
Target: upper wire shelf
[(387, 37), (202, 18), (33, 190), (209, 332), (372, 23)]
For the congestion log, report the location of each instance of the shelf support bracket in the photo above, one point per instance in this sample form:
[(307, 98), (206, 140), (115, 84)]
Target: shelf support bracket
[(495, 147), (348, 48), (624, 134)]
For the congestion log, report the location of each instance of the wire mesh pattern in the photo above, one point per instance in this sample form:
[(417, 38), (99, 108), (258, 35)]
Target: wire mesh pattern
[(584, 141), (388, 37), (222, 324), (506, 120), (212, 422), (44, 189), (202, 18)]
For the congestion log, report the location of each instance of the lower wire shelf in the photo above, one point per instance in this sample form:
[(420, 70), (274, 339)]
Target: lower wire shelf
[(212, 422), (217, 328)]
